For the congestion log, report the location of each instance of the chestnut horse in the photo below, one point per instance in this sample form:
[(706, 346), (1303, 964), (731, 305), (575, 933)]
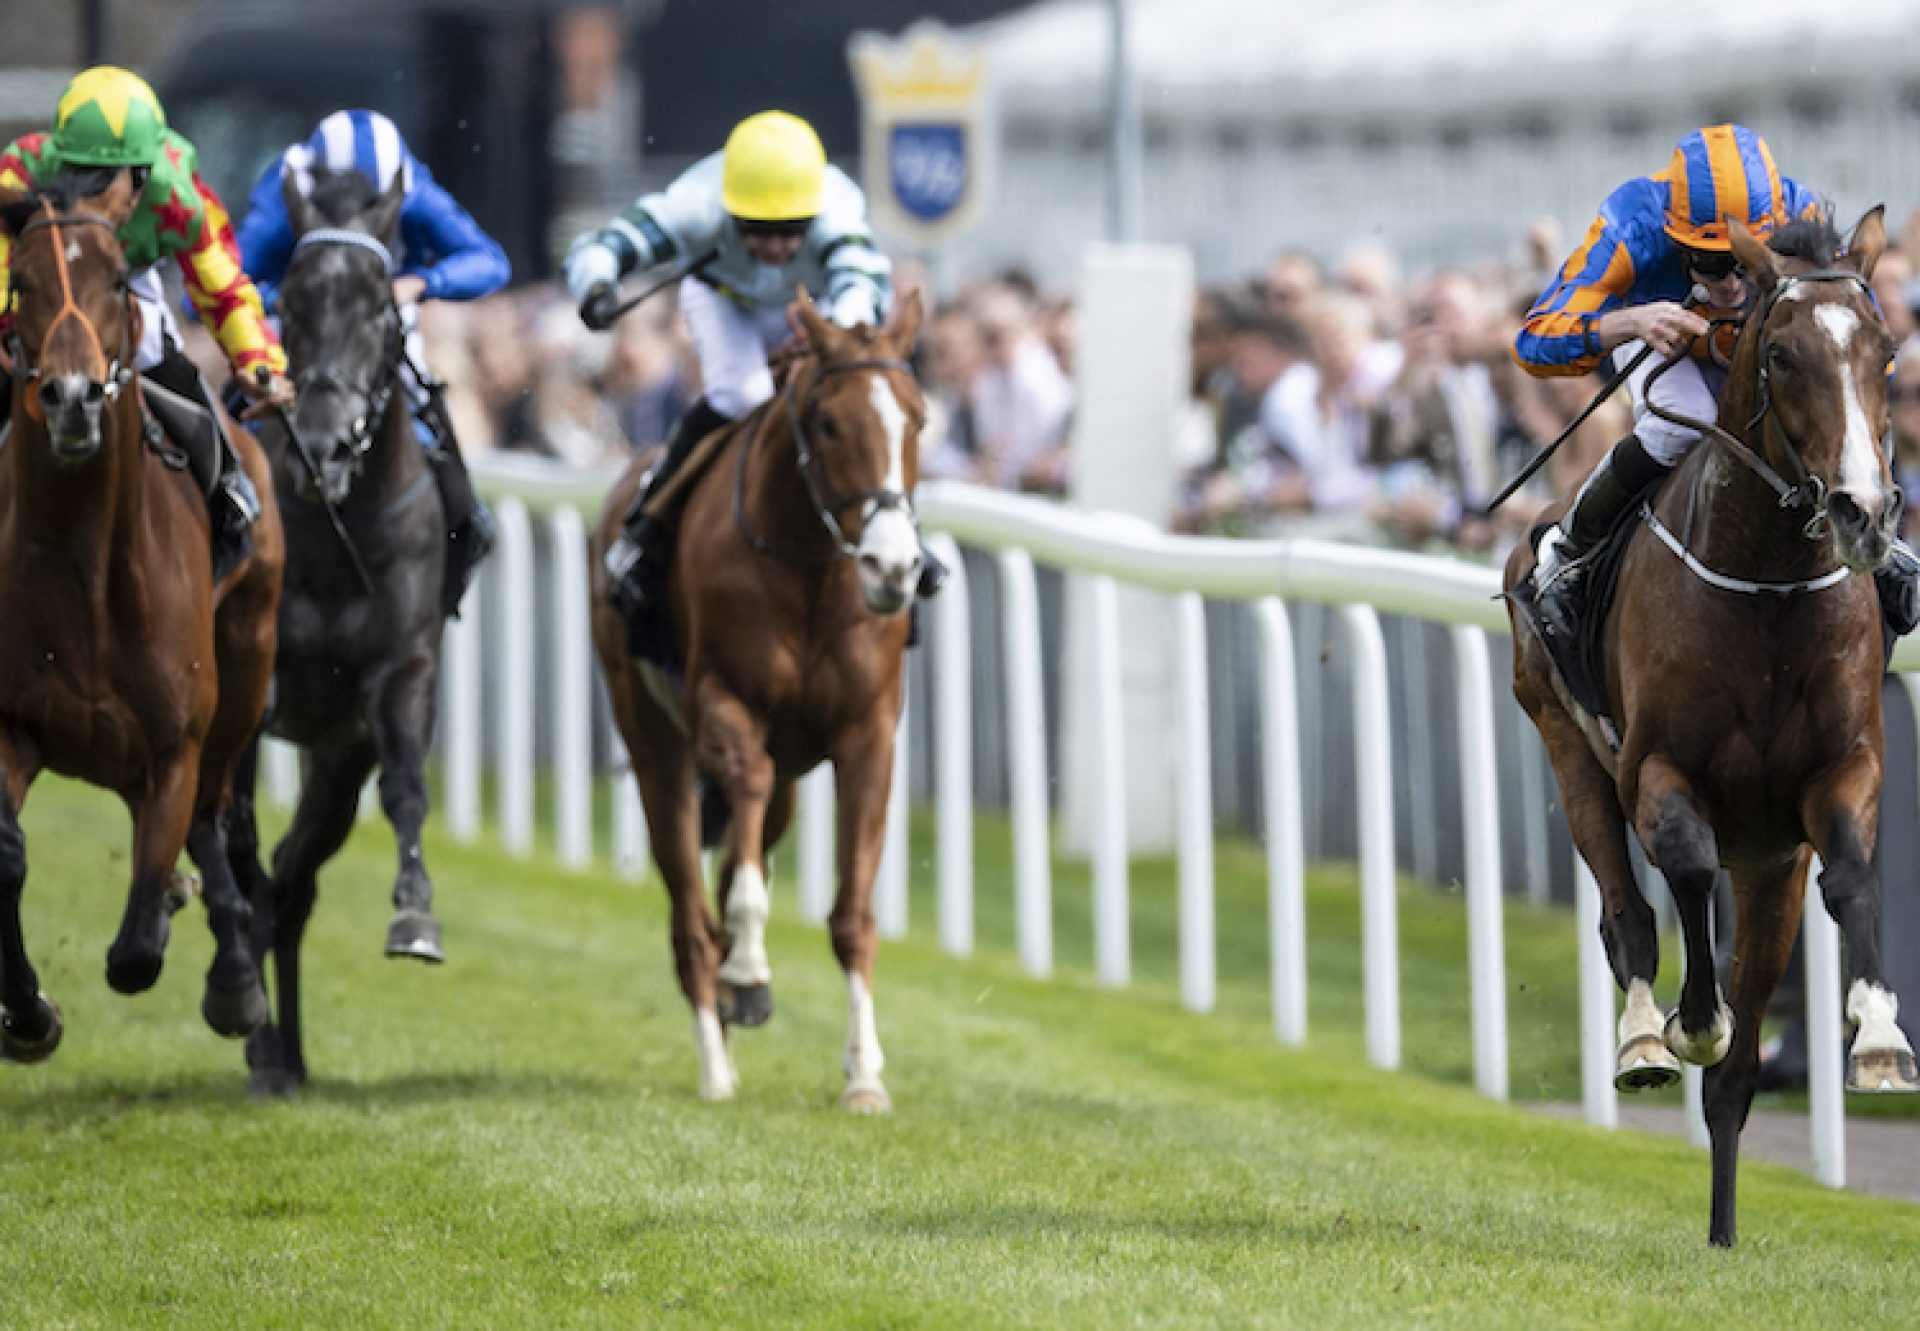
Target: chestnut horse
[(121, 662), (1742, 668), (796, 557)]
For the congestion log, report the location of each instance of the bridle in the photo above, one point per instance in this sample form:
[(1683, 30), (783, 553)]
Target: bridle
[(826, 504), (1807, 492), (377, 395), (120, 369)]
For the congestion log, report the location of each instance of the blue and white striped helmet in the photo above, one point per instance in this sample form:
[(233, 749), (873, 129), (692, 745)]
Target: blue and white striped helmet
[(363, 141)]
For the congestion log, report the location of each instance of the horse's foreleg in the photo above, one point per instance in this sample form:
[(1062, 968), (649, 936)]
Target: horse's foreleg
[(731, 749), (1767, 917), (863, 773), (673, 819), (402, 716), (1841, 816), (162, 815), (30, 1025), (1680, 841), (235, 1002), (1627, 927), (329, 801)]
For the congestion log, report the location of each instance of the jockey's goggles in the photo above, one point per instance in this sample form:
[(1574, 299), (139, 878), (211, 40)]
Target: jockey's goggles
[(93, 181), (1711, 264), (793, 230)]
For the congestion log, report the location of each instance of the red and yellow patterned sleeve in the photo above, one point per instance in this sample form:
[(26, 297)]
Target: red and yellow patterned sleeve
[(15, 174), (221, 291)]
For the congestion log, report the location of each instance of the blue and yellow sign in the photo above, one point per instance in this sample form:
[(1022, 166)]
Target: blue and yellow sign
[(927, 145)]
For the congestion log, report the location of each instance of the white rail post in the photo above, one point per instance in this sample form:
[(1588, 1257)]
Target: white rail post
[(629, 823), (1197, 953), (1693, 1086), (516, 659), (280, 764), (1286, 855), (818, 841), (953, 749), (1027, 763), (1112, 918), (1826, 1052), (461, 718), (1373, 768), (1596, 1004), (572, 695), (890, 887), (1480, 818)]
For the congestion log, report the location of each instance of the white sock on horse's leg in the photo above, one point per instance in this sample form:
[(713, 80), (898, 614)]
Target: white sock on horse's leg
[(1875, 1012), (748, 905), (864, 1059), (717, 1079)]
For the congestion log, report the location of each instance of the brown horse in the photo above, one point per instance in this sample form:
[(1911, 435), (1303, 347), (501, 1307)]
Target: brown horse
[(1742, 668), (797, 555), (121, 662)]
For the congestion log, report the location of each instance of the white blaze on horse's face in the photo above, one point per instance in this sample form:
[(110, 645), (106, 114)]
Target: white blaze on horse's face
[(1860, 464), (889, 546)]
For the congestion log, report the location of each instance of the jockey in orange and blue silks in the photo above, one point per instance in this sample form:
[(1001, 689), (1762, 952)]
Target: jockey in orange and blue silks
[(1657, 239)]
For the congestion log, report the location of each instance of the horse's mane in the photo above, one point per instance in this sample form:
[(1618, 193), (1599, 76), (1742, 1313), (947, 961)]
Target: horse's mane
[(1813, 239), (340, 196)]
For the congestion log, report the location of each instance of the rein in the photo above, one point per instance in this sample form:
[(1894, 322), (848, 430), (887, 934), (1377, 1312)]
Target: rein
[(119, 368), (825, 503)]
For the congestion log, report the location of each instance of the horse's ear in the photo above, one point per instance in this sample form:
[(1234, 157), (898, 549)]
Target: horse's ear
[(300, 210), (817, 330), (1868, 241), (904, 328), (380, 216), (115, 202), (1753, 255)]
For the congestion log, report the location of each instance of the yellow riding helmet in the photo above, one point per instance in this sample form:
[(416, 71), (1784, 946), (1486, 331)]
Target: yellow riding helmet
[(773, 170), (1720, 172), (108, 116)]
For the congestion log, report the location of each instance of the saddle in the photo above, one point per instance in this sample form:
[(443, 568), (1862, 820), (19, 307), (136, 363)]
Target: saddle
[(189, 425), (1581, 663)]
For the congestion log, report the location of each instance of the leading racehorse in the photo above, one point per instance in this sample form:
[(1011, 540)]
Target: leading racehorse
[(1742, 669), (121, 662), (797, 560)]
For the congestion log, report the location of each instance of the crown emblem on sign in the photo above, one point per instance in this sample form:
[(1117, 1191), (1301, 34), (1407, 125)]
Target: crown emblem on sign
[(924, 65)]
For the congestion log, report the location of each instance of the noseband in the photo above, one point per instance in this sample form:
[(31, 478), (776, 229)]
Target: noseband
[(377, 395), (119, 368), (1807, 491), (826, 504)]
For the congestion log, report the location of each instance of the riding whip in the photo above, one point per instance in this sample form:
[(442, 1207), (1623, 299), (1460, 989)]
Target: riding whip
[(674, 278), (1698, 296)]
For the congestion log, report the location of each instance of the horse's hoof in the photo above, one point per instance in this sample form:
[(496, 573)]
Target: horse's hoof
[(135, 974), (1645, 1064), (1882, 1072), (415, 934), (18, 1045), (235, 1012), (746, 1005), (718, 1090), (274, 1084), (870, 1098), (1709, 1046)]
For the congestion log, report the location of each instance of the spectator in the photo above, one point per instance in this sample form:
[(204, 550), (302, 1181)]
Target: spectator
[(1021, 399), (955, 355), (1893, 292), (1320, 413), (1252, 475), (1903, 401), (1371, 273)]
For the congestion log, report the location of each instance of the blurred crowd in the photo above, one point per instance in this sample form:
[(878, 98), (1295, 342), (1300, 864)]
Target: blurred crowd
[(1341, 398)]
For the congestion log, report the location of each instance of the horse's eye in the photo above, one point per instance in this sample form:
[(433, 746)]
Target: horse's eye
[(1777, 357)]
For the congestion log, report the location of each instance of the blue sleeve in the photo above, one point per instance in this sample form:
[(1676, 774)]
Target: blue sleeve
[(447, 247), (265, 235)]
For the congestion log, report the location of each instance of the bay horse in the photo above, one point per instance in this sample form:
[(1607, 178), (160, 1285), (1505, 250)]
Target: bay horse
[(796, 559), (121, 662), (360, 619), (1742, 668)]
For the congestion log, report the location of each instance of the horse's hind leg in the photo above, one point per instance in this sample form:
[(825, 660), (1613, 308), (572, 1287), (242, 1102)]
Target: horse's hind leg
[(235, 1002), (329, 801), (1767, 916), (1627, 926), (1683, 845), (402, 715), (30, 1026), (730, 750), (1841, 815)]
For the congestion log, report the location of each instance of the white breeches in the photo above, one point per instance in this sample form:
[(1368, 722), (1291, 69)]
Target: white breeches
[(158, 331), (1691, 388), (732, 342)]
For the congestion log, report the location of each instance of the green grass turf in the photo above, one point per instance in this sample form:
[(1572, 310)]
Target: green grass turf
[(514, 1140)]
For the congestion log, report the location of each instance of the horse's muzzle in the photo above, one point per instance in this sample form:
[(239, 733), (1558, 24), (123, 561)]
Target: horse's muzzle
[(1863, 534), (71, 404), (889, 561)]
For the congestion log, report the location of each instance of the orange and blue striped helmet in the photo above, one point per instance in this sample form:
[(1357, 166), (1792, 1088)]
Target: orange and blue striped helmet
[(1720, 172)]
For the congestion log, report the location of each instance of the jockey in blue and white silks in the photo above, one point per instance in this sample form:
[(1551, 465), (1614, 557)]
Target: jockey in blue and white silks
[(441, 254)]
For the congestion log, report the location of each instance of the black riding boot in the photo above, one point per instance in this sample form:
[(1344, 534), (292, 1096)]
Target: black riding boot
[(1898, 582), (637, 561), (469, 522), (232, 502), (1622, 477)]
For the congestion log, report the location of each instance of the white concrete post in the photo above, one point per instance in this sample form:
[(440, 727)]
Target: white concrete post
[(1373, 768), (1197, 952), (280, 765), (1286, 855), (953, 750), (572, 695), (1027, 761), (1112, 920), (818, 840), (1596, 1004), (460, 718), (1480, 815), (890, 885), (1826, 1045), (516, 661)]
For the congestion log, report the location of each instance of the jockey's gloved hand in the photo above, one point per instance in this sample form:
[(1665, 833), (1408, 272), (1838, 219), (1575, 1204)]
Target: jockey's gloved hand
[(267, 390), (600, 307)]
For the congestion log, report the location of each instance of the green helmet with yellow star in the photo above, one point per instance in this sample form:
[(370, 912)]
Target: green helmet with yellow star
[(108, 116)]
